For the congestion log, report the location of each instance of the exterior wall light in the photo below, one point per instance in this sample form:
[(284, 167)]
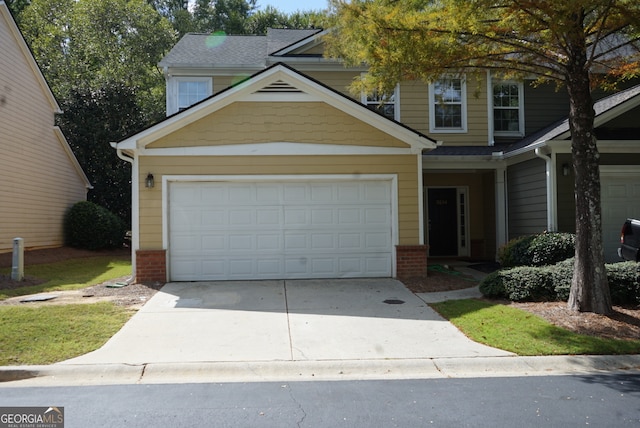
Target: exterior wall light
[(565, 169), (149, 182)]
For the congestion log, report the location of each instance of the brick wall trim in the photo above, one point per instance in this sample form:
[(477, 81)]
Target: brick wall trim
[(151, 265), (411, 261)]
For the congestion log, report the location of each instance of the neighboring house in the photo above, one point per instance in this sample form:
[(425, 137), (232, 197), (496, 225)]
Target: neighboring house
[(258, 127), (41, 178)]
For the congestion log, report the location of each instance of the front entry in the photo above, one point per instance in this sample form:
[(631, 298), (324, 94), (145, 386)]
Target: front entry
[(443, 222)]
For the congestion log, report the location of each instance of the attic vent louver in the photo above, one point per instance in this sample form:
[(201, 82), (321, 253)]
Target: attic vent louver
[(279, 86)]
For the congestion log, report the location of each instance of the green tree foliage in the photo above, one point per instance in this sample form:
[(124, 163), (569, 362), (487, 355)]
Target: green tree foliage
[(91, 119), (576, 43), (90, 43)]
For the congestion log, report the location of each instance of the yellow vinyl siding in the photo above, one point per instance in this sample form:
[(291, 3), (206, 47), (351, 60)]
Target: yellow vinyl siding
[(39, 183), (405, 166), (246, 122), (337, 80)]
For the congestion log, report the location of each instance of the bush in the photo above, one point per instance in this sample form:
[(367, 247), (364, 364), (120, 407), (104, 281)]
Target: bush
[(537, 250), (624, 282), (562, 276), (551, 248), (515, 252), (492, 286), (526, 283), (92, 227)]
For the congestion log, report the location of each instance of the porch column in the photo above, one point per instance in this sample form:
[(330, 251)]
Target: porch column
[(501, 207)]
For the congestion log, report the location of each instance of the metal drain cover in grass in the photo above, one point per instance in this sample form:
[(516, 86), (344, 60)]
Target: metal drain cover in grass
[(393, 302)]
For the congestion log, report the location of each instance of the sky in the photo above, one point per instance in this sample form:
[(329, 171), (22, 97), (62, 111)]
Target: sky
[(290, 6)]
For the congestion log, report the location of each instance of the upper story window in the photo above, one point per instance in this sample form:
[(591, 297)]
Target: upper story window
[(387, 104), (183, 92), (448, 105), (508, 112), (192, 90)]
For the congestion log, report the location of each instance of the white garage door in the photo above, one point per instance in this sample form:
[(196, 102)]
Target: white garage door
[(279, 230), (620, 200)]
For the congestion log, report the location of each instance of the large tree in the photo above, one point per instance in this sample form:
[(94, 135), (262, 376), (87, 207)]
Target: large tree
[(90, 43), (580, 44)]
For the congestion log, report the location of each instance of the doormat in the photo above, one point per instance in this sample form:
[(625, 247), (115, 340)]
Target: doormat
[(485, 267)]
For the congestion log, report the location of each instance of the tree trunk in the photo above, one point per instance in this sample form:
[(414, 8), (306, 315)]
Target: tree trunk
[(589, 286)]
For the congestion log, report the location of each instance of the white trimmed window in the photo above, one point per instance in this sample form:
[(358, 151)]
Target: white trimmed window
[(448, 105), (388, 105), (508, 112), (190, 90)]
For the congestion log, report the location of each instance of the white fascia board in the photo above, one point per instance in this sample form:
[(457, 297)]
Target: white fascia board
[(277, 149), (604, 146)]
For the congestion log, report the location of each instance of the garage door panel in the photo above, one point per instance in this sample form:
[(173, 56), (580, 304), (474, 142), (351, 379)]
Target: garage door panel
[(279, 230), (620, 200)]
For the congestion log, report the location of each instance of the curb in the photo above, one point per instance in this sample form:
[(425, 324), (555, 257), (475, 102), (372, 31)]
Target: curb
[(291, 371)]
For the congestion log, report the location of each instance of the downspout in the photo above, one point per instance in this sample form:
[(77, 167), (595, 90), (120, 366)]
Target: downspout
[(134, 237), (551, 190)]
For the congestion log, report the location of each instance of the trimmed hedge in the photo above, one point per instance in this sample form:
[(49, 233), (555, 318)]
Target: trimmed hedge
[(92, 227), (537, 250), (530, 283)]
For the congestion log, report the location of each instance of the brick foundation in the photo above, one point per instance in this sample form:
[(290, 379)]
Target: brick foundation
[(151, 266), (411, 261)]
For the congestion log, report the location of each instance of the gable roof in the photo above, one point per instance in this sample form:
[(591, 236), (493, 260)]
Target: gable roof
[(605, 109), (278, 83), (5, 13), (211, 50)]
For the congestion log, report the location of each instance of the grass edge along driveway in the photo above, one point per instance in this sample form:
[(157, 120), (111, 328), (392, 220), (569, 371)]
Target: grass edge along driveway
[(49, 334), (518, 331)]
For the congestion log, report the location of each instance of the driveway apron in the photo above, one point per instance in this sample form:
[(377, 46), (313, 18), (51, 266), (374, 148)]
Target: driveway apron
[(292, 320)]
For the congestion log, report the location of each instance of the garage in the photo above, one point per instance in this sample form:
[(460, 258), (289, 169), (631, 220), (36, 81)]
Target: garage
[(620, 200), (280, 229)]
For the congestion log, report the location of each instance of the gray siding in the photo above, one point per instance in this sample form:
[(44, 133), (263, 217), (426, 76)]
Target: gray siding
[(527, 196), (544, 105), (566, 199)]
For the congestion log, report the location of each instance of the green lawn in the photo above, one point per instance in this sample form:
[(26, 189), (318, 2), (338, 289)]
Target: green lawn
[(523, 333), (71, 274), (48, 334)]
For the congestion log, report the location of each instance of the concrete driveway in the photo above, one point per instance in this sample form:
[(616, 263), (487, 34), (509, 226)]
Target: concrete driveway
[(292, 320)]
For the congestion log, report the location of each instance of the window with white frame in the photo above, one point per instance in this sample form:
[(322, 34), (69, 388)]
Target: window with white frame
[(191, 90), (385, 104), (448, 105), (508, 108)]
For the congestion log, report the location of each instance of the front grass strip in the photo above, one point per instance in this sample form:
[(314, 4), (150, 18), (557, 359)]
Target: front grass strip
[(49, 334), (523, 333)]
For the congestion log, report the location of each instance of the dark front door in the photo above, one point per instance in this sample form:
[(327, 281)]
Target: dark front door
[(443, 222)]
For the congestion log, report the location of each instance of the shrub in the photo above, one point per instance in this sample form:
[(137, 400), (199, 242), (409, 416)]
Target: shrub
[(624, 282), (537, 250), (526, 283), (492, 285), (515, 252), (562, 275), (551, 248), (92, 227)]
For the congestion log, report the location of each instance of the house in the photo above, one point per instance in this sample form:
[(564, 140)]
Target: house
[(265, 165), (41, 178)]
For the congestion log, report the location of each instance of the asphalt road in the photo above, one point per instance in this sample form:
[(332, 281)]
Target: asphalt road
[(551, 401)]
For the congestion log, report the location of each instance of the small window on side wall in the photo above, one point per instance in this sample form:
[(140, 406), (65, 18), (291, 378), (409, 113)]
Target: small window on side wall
[(192, 90), (507, 108), (448, 105)]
